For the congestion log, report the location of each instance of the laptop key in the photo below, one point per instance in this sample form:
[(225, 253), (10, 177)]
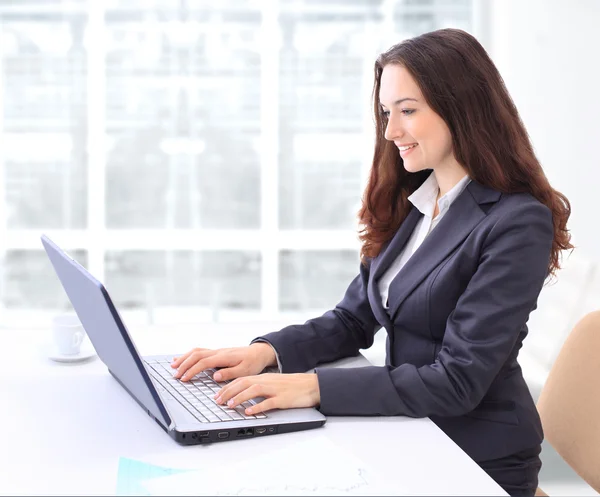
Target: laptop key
[(222, 416), (216, 410)]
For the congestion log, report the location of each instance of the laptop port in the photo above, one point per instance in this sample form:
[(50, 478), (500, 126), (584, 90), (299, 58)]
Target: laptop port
[(223, 434), (249, 432), (241, 432), (260, 431), (202, 434)]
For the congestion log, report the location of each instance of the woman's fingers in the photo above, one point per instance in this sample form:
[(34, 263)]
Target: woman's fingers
[(243, 389), (252, 391), (226, 374), (191, 360), (232, 362), (232, 389), (265, 405), (178, 360), (282, 391), (212, 361)]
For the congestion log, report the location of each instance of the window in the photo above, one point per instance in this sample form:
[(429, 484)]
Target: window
[(204, 159)]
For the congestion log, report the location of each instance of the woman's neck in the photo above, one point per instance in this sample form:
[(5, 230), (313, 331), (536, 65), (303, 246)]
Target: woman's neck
[(448, 179)]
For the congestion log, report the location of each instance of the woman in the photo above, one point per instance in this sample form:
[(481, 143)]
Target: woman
[(460, 230)]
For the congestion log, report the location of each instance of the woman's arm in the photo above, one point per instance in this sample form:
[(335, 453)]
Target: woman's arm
[(338, 333)]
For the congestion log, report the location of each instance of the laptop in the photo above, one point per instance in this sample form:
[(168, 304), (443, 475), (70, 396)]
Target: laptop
[(186, 411)]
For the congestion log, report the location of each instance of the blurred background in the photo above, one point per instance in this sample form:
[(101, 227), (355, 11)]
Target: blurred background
[(206, 159)]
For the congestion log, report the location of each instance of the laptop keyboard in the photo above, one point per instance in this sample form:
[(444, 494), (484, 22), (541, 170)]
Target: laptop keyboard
[(197, 395)]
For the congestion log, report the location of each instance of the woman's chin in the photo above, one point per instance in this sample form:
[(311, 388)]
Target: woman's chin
[(411, 167)]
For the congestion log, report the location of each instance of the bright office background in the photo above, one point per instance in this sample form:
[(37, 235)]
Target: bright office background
[(204, 159)]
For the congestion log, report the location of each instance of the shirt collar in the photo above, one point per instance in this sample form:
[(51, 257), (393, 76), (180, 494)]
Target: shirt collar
[(423, 198)]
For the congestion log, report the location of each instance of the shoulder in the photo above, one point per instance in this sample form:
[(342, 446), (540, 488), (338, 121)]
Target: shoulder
[(497, 205), (519, 216), (517, 207)]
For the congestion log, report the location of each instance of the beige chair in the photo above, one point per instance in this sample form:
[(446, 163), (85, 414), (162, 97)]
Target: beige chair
[(569, 404)]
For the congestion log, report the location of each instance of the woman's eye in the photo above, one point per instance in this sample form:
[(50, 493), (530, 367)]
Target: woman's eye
[(406, 112)]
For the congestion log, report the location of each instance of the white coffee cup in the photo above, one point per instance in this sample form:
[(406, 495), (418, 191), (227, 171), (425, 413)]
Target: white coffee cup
[(68, 333)]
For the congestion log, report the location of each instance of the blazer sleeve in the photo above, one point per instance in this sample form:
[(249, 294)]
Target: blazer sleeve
[(338, 333), (480, 332)]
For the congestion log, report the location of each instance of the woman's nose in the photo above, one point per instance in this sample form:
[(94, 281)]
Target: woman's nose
[(391, 131)]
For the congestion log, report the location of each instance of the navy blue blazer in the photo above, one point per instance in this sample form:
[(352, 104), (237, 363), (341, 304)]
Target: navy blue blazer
[(456, 321)]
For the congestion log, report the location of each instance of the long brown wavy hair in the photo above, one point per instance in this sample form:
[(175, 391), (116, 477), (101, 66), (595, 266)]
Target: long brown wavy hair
[(463, 86)]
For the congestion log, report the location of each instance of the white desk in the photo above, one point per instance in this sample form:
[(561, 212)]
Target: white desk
[(66, 435)]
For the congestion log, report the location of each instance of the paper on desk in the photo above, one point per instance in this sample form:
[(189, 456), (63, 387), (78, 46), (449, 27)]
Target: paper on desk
[(131, 473), (312, 467)]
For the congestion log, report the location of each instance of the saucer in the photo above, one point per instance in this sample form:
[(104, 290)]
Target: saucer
[(86, 352)]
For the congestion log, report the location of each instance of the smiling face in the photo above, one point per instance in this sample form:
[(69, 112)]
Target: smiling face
[(422, 137)]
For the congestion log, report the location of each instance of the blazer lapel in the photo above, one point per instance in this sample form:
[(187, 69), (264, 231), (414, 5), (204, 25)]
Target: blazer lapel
[(383, 261), (462, 217), (396, 244)]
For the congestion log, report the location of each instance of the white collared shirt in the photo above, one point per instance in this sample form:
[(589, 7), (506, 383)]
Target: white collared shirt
[(423, 198)]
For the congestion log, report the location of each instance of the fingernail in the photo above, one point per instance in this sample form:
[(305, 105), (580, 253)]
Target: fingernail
[(217, 376), (249, 411), (230, 402), (218, 400)]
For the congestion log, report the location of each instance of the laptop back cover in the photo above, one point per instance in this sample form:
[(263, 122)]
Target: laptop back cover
[(106, 330)]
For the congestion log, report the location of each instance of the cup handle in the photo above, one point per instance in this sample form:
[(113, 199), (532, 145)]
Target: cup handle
[(77, 339)]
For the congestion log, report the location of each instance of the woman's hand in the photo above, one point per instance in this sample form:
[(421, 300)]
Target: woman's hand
[(281, 391), (237, 361)]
